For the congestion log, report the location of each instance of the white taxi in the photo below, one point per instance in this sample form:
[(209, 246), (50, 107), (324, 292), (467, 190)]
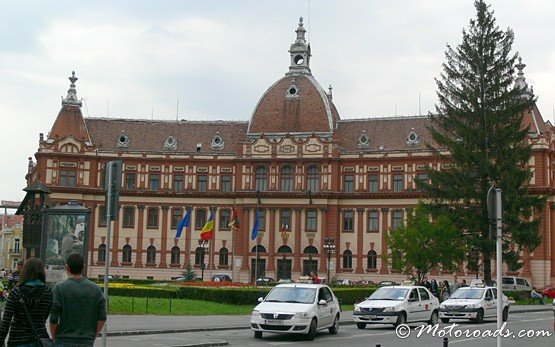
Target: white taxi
[(298, 308), (397, 305), (473, 303)]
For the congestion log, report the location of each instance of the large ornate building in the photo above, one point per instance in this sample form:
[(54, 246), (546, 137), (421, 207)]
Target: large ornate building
[(320, 179)]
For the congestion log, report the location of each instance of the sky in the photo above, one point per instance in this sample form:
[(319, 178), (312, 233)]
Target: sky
[(212, 60)]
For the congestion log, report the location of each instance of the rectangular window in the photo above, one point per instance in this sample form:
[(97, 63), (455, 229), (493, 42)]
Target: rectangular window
[(200, 218), (130, 181), (202, 183), (262, 219), (102, 216), (397, 219), (226, 183), (373, 221), (16, 246), (285, 219), (311, 220), (348, 221), (178, 183), (349, 184), (421, 178), (225, 219), (128, 217), (398, 183), (152, 217), (373, 183), (154, 182), (177, 213), (68, 178)]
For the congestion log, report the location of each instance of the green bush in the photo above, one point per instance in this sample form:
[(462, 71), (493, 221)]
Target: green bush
[(141, 292), (517, 294), (226, 295), (352, 295)]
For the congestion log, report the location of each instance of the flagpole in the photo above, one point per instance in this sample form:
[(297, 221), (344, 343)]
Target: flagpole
[(256, 248)]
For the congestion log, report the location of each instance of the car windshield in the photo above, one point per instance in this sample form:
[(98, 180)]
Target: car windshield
[(298, 295), (468, 293), (397, 294)]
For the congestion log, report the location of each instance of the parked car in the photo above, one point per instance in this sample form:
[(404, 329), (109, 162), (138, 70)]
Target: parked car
[(549, 292), (397, 305), (515, 283), (286, 280), (220, 278), (387, 283), (473, 303), (265, 281), (296, 308)]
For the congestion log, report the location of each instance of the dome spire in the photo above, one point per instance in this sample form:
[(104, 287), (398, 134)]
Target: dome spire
[(300, 53), (71, 98), (520, 80)]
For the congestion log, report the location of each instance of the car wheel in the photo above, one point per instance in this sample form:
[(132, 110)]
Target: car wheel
[(479, 317), (401, 319), (312, 330), (335, 327), (361, 325), (258, 334), (433, 318), (445, 320), (505, 314)]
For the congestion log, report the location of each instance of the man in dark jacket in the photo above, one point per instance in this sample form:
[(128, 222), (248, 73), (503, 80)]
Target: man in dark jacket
[(77, 297), (14, 277)]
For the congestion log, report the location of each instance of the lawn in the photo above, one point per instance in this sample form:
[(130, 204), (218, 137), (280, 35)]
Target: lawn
[(179, 307)]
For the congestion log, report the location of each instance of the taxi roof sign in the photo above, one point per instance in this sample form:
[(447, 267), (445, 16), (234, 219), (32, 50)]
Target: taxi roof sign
[(477, 282)]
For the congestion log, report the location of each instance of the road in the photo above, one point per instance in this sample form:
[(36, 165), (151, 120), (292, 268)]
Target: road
[(349, 335)]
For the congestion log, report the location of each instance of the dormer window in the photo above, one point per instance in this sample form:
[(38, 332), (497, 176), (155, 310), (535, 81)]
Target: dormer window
[(170, 144), (413, 138), (363, 140), (123, 140), (217, 141), (199, 146), (292, 90)]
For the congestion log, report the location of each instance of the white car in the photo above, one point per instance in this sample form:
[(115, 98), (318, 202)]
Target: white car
[(297, 308), (397, 305), (473, 303)]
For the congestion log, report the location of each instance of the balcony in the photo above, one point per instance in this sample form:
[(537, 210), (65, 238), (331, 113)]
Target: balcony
[(15, 251)]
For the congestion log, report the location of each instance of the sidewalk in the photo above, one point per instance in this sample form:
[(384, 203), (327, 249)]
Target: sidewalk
[(121, 325)]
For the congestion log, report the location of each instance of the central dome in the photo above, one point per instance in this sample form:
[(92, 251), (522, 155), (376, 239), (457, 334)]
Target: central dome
[(296, 103)]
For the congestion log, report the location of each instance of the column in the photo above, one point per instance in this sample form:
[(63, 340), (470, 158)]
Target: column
[(297, 251), (140, 231), (385, 227), (272, 240), (164, 240), (115, 239), (360, 240), (323, 234)]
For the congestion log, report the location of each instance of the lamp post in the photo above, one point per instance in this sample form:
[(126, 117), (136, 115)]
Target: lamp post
[(204, 251), (329, 247)]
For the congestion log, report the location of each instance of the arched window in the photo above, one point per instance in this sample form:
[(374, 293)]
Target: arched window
[(284, 249), (126, 254), (261, 249), (313, 179), (372, 260), (199, 256), (102, 253), (347, 259), (261, 179), (151, 255), (310, 250), (223, 257), (286, 179), (175, 255)]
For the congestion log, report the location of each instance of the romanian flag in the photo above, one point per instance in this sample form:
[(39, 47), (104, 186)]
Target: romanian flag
[(234, 220), (183, 223), (208, 229)]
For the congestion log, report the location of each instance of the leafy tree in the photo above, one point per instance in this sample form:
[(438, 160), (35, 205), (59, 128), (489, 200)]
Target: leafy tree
[(426, 244), (189, 274), (479, 133)]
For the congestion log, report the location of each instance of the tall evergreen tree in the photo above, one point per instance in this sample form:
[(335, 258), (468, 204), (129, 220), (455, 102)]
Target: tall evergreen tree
[(478, 131)]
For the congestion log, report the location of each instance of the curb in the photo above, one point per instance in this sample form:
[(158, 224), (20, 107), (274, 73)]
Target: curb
[(206, 344)]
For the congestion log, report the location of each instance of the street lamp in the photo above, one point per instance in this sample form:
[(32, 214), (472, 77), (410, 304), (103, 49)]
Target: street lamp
[(204, 251), (329, 247)]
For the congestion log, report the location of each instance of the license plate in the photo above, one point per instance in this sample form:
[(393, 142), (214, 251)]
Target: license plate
[(274, 322), (370, 316), (455, 312)]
